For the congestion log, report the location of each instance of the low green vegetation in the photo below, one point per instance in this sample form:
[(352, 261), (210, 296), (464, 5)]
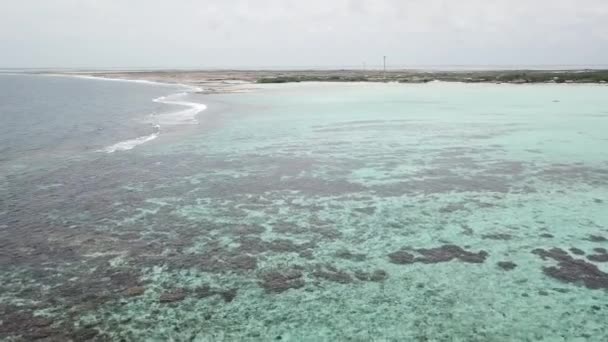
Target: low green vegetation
[(516, 77)]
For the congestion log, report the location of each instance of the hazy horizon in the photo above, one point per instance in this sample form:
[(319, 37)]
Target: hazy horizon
[(281, 34)]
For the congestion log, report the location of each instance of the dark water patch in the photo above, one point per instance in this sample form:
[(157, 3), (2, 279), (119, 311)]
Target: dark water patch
[(506, 265), (278, 281), (598, 201), (444, 253), (571, 270), (546, 236)]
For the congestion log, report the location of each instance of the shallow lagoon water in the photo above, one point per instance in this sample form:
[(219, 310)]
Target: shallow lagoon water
[(325, 212)]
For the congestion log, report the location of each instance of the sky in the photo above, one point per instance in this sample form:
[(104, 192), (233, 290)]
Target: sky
[(300, 33)]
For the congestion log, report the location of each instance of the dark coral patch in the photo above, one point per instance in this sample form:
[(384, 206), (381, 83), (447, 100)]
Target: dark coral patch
[(366, 210), (247, 230), (281, 281), (134, 291), (497, 236), (173, 296), (243, 262), (401, 257), (448, 253), (14, 321), (444, 253), (597, 238), (85, 334), (348, 255), (571, 270), (600, 256), (206, 291), (577, 251), (375, 276), (507, 265), (329, 272), (228, 295)]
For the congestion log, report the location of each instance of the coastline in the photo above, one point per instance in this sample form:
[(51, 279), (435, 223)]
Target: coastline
[(230, 81)]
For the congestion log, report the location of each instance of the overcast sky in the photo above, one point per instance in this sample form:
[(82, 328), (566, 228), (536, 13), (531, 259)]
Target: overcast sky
[(242, 33)]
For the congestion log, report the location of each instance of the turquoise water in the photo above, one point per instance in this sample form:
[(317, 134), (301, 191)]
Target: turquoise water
[(311, 212)]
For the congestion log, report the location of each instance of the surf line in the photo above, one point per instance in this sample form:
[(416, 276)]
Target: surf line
[(180, 117)]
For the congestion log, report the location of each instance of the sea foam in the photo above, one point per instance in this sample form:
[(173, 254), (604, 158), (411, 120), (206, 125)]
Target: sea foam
[(180, 117), (130, 144)]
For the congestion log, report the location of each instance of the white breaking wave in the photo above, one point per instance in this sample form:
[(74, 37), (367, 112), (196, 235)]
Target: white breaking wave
[(185, 116), (180, 117), (129, 144)]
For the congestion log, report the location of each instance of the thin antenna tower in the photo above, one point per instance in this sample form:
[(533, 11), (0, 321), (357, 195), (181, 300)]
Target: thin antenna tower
[(384, 75)]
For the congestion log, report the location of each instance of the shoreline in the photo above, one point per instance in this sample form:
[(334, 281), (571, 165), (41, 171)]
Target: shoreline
[(231, 81)]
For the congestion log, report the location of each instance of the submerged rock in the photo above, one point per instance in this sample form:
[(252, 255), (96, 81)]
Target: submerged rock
[(332, 274), (281, 281), (401, 257), (444, 253), (450, 252), (497, 236), (228, 295), (135, 291), (85, 334), (173, 296), (348, 255), (571, 270), (577, 251), (507, 265), (597, 238), (600, 256)]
